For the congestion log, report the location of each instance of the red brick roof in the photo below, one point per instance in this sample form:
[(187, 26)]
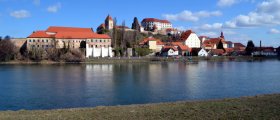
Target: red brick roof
[(155, 20), (68, 29)]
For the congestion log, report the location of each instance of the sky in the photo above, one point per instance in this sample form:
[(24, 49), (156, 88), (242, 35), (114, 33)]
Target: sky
[(240, 20)]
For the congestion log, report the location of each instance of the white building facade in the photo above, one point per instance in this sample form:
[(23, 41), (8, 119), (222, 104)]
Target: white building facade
[(192, 40), (149, 23)]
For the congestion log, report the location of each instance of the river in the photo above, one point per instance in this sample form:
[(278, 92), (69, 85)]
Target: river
[(34, 87)]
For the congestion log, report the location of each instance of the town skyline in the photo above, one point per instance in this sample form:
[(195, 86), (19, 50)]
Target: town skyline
[(240, 20)]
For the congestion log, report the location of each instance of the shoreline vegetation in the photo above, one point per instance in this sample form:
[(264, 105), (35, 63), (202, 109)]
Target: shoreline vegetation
[(190, 59), (254, 107)]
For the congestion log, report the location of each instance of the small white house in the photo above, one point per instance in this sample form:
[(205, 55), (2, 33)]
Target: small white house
[(98, 52), (203, 52), (169, 51)]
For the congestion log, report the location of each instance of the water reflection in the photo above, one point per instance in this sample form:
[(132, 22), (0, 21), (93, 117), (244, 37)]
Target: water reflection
[(68, 86)]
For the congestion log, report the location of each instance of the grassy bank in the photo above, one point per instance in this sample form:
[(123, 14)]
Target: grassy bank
[(258, 107), (148, 59)]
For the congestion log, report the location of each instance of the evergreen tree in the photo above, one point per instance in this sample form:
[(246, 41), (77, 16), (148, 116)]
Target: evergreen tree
[(0, 38), (220, 45), (135, 24), (250, 47)]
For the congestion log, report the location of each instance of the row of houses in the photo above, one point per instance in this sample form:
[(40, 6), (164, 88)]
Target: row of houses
[(193, 45)]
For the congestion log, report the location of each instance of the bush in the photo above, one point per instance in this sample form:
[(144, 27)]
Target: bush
[(142, 51), (8, 50)]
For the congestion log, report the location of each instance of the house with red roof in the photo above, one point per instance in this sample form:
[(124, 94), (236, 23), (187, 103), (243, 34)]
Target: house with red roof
[(190, 39), (212, 43), (169, 51), (152, 43), (67, 37)]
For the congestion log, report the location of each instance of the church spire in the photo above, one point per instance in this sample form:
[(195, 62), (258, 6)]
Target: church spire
[(222, 35)]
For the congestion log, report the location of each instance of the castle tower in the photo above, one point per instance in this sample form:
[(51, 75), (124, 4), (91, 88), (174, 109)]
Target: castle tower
[(109, 23)]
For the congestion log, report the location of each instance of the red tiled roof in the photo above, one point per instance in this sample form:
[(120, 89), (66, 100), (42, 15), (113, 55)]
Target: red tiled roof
[(217, 51), (68, 29), (109, 17), (146, 40), (176, 43), (238, 45), (212, 41), (80, 35), (184, 48), (185, 35), (167, 48), (40, 34), (155, 20)]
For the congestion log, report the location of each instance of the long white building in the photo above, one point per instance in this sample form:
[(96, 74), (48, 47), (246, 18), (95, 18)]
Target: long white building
[(150, 23)]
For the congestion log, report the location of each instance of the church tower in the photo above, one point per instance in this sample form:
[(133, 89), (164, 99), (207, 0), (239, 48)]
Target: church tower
[(222, 35), (109, 23)]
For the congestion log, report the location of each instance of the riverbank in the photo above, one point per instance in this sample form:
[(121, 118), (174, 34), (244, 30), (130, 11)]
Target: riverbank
[(147, 60), (257, 107)]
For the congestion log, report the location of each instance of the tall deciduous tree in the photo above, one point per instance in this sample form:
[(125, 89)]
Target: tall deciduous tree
[(250, 47), (136, 25)]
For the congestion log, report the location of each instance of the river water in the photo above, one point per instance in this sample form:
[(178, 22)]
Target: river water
[(88, 85)]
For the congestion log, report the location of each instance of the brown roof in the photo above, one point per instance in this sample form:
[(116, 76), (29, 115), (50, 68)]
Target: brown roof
[(184, 48)]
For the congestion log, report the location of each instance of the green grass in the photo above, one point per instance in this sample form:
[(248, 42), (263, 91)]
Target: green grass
[(258, 107)]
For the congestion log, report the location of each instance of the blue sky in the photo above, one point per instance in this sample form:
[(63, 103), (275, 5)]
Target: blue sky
[(241, 20)]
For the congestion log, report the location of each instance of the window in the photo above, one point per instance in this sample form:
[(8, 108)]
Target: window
[(91, 40), (100, 40), (47, 40), (38, 40), (104, 40), (33, 40), (95, 45), (38, 45), (92, 46), (42, 46), (42, 40), (29, 40), (47, 45), (95, 40)]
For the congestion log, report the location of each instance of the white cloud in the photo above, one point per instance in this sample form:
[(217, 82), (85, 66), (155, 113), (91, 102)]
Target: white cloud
[(54, 8), (209, 34), (206, 27), (274, 31), (226, 3), (267, 13), (191, 16), (20, 14), (37, 2)]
